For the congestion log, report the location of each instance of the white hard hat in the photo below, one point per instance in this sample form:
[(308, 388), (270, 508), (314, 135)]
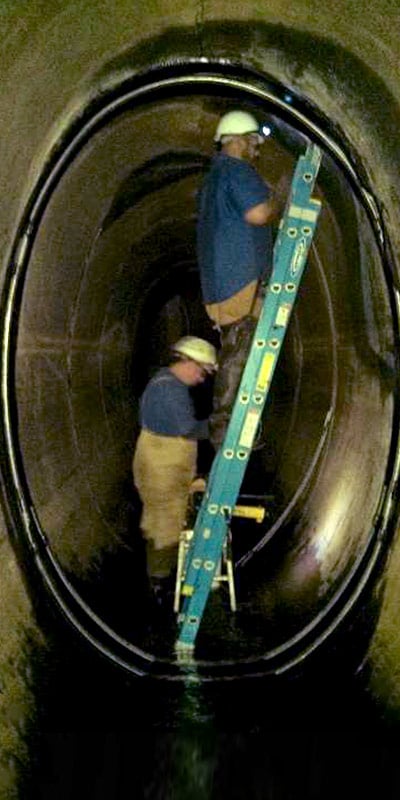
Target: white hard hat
[(237, 123), (197, 350)]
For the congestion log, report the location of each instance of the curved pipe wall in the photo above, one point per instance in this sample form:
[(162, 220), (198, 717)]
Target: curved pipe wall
[(79, 327), (80, 323)]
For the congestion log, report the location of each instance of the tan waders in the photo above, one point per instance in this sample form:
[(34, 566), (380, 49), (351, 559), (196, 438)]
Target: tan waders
[(163, 469)]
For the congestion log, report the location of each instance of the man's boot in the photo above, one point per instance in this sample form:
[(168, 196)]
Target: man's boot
[(161, 565)]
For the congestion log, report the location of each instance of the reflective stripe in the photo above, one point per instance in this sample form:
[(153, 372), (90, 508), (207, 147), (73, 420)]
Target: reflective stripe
[(307, 214)]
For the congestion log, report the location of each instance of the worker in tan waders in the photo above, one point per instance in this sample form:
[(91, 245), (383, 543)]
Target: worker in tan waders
[(165, 458)]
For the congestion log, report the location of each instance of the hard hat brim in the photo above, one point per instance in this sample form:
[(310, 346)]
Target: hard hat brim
[(260, 137)]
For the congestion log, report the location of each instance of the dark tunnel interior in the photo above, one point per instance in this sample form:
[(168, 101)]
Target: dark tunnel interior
[(111, 283)]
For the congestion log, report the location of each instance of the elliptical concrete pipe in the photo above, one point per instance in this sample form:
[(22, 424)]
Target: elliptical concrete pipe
[(316, 60)]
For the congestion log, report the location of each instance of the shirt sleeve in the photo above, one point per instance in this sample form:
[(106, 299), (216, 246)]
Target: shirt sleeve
[(179, 408), (167, 409), (247, 187)]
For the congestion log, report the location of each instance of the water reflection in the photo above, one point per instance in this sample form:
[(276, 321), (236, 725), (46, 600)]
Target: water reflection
[(101, 735)]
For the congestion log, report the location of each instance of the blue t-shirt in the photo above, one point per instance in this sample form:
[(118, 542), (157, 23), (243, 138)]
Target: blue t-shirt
[(166, 407), (230, 251)]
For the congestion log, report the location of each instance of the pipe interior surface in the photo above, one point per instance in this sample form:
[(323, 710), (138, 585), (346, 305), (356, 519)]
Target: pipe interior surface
[(111, 282), (98, 274)]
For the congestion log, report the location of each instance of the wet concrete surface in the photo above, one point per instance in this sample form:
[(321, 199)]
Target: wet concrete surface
[(299, 738)]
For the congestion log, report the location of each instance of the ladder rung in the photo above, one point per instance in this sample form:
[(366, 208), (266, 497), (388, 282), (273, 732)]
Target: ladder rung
[(249, 512)]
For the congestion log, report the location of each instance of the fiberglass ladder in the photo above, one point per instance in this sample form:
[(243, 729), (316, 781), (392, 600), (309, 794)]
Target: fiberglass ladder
[(203, 557)]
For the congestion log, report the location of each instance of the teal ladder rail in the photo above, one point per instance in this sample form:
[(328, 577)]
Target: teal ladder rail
[(291, 248)]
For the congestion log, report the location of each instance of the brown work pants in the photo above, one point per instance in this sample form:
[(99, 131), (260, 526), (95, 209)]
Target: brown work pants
[(163, 469)]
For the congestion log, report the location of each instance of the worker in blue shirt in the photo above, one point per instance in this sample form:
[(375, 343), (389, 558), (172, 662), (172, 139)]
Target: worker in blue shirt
[(234, 249), (165, 457)]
